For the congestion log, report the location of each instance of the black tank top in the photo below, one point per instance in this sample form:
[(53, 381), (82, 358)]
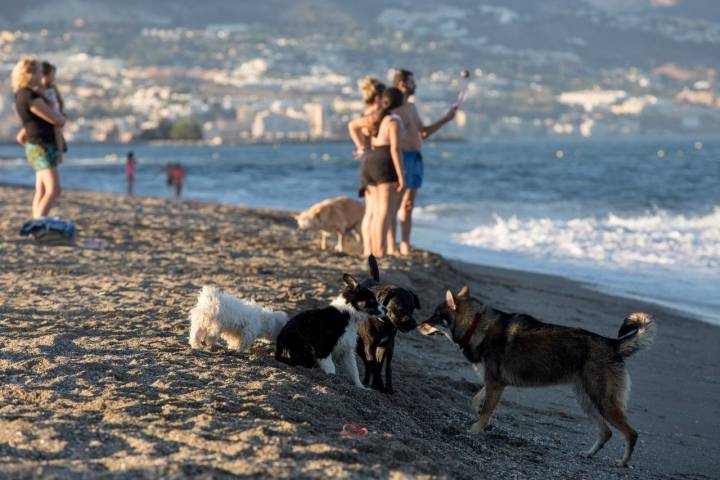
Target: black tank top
[(37, 130)]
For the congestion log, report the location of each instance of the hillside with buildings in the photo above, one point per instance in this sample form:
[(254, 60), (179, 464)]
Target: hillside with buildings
[(246, 72)]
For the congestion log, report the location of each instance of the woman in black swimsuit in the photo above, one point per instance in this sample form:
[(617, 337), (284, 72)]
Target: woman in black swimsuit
[(359, 128), (382, 172)]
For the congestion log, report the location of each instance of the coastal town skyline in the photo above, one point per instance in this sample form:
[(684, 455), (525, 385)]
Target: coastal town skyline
[(132, 78)]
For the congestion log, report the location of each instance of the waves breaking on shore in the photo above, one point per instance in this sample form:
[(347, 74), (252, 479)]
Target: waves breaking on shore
[(669, 258)]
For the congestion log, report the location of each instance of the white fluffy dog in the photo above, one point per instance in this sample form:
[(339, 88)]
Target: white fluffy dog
[(239, 322)]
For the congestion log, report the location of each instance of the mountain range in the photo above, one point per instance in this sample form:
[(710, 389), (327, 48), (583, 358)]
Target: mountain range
[(589, 33)]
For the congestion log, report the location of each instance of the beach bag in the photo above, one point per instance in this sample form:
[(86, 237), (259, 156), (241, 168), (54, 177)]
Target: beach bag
[(49, 230)]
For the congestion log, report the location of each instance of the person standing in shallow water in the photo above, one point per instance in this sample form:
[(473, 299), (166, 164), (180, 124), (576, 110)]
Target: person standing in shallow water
[(412, 156), (177, 173), (130, 163), (38, 133)]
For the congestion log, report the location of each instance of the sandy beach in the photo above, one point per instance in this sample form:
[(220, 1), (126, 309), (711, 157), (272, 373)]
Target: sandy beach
[(98, 379)]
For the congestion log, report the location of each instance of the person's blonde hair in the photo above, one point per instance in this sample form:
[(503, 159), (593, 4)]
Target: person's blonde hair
[(371, 88), (23, 72)]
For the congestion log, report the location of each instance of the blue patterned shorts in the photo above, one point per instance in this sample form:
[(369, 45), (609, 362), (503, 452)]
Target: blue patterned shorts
[(41, 156)]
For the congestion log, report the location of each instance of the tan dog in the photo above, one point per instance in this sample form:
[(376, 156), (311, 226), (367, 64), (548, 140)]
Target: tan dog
[(338, 215), (518, 350)]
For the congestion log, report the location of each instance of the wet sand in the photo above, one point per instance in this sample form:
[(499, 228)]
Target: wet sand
[(99, 381)]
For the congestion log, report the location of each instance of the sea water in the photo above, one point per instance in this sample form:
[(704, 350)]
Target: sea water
[(636, 217)]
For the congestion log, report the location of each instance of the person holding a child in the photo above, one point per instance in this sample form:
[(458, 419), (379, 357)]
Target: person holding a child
[(39, 107)]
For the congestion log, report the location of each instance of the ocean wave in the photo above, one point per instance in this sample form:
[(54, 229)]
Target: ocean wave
[(673, 241), (438, 210), (12, 163)]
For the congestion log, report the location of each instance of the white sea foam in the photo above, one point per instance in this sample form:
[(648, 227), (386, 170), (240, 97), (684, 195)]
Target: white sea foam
[(674, 241), (669, 259)]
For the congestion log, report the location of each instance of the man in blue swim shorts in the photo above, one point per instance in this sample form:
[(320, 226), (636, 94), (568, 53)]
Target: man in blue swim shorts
[(412, 158)]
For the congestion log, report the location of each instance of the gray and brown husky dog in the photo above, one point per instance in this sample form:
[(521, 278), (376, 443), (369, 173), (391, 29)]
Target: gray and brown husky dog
[(518, 350)]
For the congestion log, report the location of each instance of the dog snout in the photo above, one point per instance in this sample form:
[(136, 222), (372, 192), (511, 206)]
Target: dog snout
[(407, 325)]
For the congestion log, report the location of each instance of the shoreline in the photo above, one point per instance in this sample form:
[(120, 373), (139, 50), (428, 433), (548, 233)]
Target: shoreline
[(560, 140), (680, 310), (210, 143), (99, 379), (699, 315)]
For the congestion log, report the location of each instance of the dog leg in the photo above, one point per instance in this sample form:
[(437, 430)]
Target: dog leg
[(197, 336), (352, 369), (493, 392), (326, 365), (615, 415), (604, 432), (378, 354), (478, 400), (211, 341), (339, 245), (245, 344), (323, 239), (364, 355), (388, 368), (234, 342)]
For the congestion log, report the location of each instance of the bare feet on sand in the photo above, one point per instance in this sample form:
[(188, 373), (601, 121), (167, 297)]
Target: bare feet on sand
[(405, 249)]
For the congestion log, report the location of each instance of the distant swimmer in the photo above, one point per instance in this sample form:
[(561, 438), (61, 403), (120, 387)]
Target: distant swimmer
[(130, 163), (176, 176)]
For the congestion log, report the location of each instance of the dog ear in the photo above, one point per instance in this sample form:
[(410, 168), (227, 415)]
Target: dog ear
[(350, 281), (464, 292), (450, 300), (416, 300)]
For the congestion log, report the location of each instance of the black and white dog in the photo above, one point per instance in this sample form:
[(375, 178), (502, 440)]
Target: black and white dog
[(376, 335), (313, 337)]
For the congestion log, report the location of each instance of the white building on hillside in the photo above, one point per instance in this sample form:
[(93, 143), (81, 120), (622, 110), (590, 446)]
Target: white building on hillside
[(591, 99)]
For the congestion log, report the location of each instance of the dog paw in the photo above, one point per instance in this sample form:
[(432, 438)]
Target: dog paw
[(584, 454), (622, 463), (478, 427)]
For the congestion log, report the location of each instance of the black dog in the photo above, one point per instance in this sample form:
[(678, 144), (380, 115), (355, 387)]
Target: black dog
[(376, 335), (312, 337)]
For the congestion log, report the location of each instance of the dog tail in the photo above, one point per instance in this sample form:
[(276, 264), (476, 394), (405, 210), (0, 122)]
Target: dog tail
[(636, 333), (373, 267), (201, 316)]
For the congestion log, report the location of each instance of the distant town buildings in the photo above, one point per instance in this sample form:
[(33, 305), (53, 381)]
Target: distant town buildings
[(234, 84)]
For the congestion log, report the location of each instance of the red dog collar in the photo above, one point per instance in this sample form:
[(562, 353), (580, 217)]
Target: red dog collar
[(465, 341)]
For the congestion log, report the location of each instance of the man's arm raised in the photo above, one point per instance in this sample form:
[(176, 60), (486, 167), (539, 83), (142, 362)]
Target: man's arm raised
[(427, 130)]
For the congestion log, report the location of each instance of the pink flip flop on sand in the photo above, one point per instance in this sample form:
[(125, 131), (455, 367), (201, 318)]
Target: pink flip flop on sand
[(350, 430)]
